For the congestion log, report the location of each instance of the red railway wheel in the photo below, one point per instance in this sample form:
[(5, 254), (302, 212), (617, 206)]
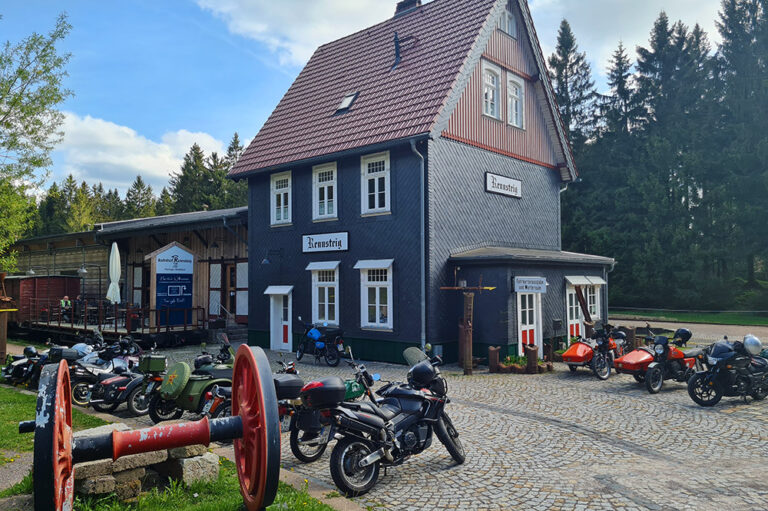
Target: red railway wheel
[(53, 483), (257, 454)]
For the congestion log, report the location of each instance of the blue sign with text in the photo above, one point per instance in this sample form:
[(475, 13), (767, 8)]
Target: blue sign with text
[(173, 295)]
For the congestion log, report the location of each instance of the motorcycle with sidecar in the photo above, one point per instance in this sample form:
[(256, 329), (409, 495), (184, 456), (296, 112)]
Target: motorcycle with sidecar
[(597, 353)]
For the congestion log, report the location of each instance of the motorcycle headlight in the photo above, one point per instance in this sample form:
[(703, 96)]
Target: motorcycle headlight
[(712, 361), (659, 349)]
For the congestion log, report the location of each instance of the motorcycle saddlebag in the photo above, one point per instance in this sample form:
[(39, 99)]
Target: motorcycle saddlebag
[(323, 393), (57, 354), (308, 420), (287, 386)]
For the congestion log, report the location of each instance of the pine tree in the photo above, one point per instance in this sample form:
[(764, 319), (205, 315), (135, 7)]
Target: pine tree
[(114, 207), (82, 211), (618, 108), (236, 191), (188, 185), (574, 87), (165, 203), (139, 200)]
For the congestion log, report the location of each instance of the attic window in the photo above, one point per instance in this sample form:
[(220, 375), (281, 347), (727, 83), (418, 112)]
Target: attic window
[(347, 102)]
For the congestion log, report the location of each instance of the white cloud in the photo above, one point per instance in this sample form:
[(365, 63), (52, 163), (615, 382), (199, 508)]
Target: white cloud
[(599, 25), (96, 150), (293, 29)]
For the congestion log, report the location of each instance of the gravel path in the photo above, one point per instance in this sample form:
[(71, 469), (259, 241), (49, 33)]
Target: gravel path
[(705, 333)]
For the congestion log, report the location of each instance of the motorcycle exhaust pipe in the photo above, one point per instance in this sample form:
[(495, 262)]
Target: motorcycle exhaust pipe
[(371, 458)]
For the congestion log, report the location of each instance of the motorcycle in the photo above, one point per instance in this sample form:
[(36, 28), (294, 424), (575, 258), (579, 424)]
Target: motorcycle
[(389, 431), (598, 353), (661, 360), (90, 370), (735, 370), (322, 341), (107, 394), (183, 389), (24, 369)]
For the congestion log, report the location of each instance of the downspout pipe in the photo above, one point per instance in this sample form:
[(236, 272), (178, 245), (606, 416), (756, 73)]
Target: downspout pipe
[(423, 246)]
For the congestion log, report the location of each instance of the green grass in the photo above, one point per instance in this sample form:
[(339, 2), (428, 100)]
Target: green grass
[(222, 495), (719, 318), (16, 407), (23, 487)]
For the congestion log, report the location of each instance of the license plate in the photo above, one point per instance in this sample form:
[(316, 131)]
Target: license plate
[(340, 347), (207, 407)]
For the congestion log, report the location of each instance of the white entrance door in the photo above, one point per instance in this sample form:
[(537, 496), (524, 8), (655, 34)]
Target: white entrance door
[(280, 322), (528, 320), (575, 325)]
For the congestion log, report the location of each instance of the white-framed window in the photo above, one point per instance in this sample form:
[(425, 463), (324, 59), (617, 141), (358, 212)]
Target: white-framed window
[(516, 101), (324, 203), (325, 296), (491, 90), (593, 301), (507, 23), (376, 297), (281, 198), (375, 183)]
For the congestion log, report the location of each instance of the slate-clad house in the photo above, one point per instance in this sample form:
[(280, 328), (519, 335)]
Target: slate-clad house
[(418, 153)]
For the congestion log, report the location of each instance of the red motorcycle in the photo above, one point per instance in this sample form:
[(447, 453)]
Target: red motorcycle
[(661, 360), (598, 352)]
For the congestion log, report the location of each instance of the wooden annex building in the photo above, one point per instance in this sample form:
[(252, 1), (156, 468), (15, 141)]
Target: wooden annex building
[(77, 265)]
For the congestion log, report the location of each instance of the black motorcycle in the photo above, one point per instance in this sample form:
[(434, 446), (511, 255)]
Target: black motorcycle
[(669, 361), (733, 371), (24, 369), (113, 390), (323, 341), (389, 431)]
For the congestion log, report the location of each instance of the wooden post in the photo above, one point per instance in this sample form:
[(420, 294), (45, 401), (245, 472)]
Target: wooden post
[(3, 334), (469, 310)]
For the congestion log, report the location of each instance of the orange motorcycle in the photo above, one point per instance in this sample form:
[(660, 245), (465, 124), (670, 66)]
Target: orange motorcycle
[(597, 353)]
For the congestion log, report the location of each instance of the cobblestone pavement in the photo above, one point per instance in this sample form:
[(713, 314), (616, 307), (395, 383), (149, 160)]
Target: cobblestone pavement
[(568, 441)]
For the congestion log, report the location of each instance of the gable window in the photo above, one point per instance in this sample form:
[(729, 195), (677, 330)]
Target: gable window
[(375, 293), (324, 192), (375, 180), (281, 198), (507, 23), (491, 90), (516, 101)]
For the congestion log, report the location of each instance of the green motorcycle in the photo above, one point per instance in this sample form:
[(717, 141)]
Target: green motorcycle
[(184, 389)]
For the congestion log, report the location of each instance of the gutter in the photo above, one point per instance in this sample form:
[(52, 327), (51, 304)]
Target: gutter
[(423, 247)]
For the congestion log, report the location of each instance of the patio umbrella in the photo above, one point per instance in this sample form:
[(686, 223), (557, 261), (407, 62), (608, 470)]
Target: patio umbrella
[(113, 293)]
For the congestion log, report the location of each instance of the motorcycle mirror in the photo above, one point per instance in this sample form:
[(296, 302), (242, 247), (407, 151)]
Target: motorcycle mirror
[(300, 318), (376, 377)]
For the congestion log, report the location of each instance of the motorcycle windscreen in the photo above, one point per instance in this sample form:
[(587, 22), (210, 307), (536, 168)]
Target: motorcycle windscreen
[(414, 355)]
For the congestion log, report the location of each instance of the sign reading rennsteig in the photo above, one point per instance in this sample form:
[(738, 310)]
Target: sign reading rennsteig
[(331, 242), (495, 183), (530, 285)]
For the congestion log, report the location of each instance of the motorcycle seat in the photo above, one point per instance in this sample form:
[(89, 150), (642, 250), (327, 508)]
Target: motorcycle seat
[(693, 353), (287, 386), (214, 373), (17, 357), (386, 411), (369, 419)]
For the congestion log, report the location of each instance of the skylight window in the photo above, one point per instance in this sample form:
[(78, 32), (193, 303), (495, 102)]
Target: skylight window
[(347, 102)]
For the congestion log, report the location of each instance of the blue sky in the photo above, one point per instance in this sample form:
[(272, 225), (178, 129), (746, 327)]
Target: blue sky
[(152, 77)]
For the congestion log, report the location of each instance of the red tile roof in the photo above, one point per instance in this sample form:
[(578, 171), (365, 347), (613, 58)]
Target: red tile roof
[(436, 39)]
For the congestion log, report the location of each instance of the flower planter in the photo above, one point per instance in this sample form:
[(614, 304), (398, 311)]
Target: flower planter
[(505, 369)]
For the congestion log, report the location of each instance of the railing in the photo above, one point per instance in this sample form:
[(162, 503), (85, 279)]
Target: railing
[(229, 314), (109, 318)]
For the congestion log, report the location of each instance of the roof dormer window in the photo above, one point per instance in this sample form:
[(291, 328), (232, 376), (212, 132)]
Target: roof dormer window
[(347, 102)]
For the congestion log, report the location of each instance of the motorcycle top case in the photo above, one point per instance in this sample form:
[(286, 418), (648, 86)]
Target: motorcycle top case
[(323, 393), (152, 363), (287, 386)]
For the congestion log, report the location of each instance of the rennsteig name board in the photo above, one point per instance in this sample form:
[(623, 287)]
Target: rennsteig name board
[(332, 242), (501, 185)]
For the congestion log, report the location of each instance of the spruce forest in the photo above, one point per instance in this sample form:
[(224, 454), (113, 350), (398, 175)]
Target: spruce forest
[(674, 162)]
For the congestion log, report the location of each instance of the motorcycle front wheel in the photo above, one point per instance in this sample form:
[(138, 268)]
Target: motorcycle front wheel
[(449, 437), (654, 379), (300, 351), (332, 356), (600, 366), (350, 479), (80, 392), (306, 452), (702, 393), (163, 409)]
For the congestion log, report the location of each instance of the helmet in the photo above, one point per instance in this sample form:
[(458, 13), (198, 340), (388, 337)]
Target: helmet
[(30, 352), (202, 360), (683, 334), (422, 374), (752, 344)]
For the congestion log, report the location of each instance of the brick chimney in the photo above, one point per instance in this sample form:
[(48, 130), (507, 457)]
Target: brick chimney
[(406, 6)]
